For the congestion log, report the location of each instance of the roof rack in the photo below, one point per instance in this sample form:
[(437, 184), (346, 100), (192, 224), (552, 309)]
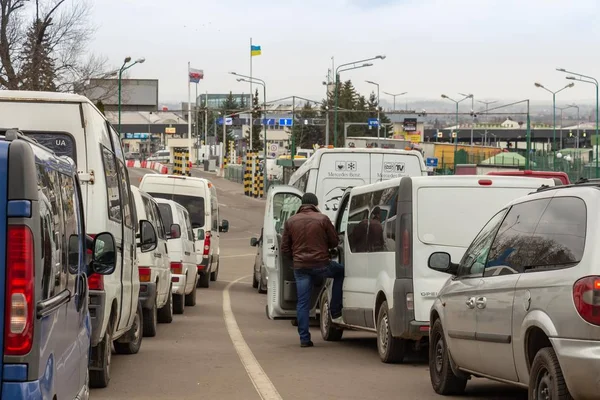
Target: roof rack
[(582, 182)]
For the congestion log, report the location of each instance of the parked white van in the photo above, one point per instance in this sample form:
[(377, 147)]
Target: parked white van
[(182, 253), (329, 172), (154, 267), (72, 126), (199, 197), (388, 231)]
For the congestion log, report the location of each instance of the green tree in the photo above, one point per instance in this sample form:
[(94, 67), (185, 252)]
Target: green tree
[(229, 107), (257, 141), (307, 135), (100, 106), (38, 69)]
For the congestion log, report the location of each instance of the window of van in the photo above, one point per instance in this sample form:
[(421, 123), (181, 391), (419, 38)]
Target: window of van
[(123, 179), (166, 215), (214, 210), (368, 221), (112, 184), (61, 143), (302, 182), (193, 205)]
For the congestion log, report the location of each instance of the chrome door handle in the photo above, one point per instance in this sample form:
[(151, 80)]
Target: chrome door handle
[(481, 302), (471, 302)]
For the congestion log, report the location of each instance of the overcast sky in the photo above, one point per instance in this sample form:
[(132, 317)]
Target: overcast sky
[(494, 49)]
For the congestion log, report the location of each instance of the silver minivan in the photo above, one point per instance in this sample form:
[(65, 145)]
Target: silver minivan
[(523, 304)]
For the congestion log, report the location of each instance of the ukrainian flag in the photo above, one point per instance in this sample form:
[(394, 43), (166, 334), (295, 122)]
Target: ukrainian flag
[(255, 50)]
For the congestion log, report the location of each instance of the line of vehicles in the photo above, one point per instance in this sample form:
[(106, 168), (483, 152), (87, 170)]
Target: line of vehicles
[(92, 262), (515, 301)]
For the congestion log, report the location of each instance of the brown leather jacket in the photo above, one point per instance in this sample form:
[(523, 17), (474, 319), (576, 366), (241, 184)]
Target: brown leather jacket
[(307, 237)]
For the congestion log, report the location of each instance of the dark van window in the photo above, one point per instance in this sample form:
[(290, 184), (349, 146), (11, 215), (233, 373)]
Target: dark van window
[(72, 224), (167, 215), (112, 184), (124, 181), (193, 205), (160, 227), (61, 143), (358, 218)]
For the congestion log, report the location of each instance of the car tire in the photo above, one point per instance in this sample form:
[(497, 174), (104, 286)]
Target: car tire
[(391, 349), (204, 280), (329, 332), (150, 321), (137, 333), (262, 289), (165, 314), (190, 299), (546, 377), (101, 378), (178, 303), (443, 379), (214, 275), (254, 281)]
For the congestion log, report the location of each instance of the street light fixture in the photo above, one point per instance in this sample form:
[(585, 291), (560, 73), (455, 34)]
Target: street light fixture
[(121, 70), (487, 107), (394, 96), (592, 81), (378, 115), (472, 112), (351, 65), (455, 139), (264, 85), (539, 85), (577, 107)]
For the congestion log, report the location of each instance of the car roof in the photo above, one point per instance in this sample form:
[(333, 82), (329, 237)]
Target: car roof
[(42, 96)]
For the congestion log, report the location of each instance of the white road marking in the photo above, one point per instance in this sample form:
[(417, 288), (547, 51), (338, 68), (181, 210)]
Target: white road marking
[(238, 255), (263, 385)]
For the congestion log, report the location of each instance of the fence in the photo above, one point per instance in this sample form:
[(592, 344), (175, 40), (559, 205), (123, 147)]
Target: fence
[(235, 173)]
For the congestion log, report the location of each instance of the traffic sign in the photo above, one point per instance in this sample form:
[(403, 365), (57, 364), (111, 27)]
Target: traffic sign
[(273, 147), (170, 130), (228, 121), (268, 121), (286, 122), (431, 162), (373, 122)]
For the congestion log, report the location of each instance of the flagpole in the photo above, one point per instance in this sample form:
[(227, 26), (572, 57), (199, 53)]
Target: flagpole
[(189, 116), (251, 97), (197, 122)]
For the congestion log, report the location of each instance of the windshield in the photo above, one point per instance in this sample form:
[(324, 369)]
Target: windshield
[(193, 205)]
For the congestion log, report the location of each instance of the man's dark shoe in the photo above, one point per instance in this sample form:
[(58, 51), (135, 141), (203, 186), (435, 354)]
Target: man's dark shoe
[(307, 344)]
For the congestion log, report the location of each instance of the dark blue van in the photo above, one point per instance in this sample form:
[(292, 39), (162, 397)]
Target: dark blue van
[(44, 319)]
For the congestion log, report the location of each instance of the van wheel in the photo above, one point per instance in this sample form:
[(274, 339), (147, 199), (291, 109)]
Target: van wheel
[(204, 280), (391, 349), (254, 281), (150, 321), (136, 332), (165, 314), (215, 275), (329, 332), (100, 378), (178, 303), (261, 288), (546, 378), (190, 299), (442, 377)]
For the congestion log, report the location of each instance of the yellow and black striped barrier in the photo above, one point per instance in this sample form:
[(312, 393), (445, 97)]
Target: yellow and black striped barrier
[(181, 162), (257, 174), (261, 185), (248, 174)]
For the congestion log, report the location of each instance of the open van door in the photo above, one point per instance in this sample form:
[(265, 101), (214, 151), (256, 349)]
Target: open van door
[(282, 203)]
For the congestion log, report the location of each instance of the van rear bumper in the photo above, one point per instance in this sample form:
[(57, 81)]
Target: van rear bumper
[(402, 319), (97, 307), (147, 295)]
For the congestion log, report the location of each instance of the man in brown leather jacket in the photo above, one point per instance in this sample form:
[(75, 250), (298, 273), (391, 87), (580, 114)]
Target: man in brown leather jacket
[(307, 238)]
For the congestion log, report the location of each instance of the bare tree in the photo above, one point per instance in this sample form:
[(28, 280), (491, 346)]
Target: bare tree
[(65, 26)]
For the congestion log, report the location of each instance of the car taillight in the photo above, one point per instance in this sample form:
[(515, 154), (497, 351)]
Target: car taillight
[(177, 268), (200, 267), (18, 326), (144, 274), (586, 296), (96, 282), (406, 245), (206, 244)]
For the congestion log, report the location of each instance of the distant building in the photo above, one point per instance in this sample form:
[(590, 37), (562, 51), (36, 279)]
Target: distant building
[(136, 94), (216, 100)]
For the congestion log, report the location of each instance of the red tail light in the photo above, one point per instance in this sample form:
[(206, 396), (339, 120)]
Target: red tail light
[(144, 274), (18, 325), (206, 243), (177, 268), (200, 267), (586, 296), (96, 282), (406, 231)]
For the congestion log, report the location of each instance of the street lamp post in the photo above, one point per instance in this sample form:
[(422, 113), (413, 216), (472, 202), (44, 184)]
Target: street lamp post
[(561, 123), (351, 65), (378, 108), (539, 85), (577, 107), (455, 139), (121, 70), (472, 113), (593, 81), (394, 96), (487, 107)]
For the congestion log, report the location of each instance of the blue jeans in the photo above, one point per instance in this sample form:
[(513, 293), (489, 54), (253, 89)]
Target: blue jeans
[(304, 284)]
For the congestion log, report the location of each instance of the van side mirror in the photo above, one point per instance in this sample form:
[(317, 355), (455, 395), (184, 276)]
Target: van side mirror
[(224, 226), (104, 255), (442, 262), (175, 231), (253, 242), (201, 234), (148, 239)]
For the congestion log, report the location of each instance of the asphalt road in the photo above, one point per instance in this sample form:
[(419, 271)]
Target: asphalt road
[(195, 357)]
